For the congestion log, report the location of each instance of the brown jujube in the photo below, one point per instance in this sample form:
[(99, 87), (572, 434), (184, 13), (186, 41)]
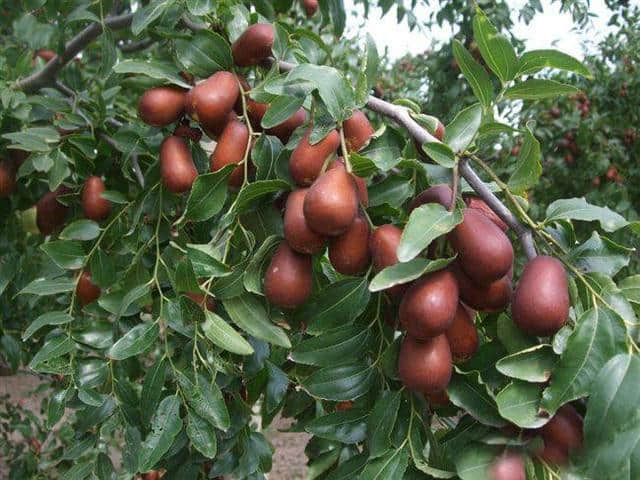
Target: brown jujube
[(492, 297), (331, 203), (508, 466), (94, 206), (484, 251), (475, 202), (230, 149), (541, 301), (7, 177), (254, 45), (462, 336), (296, 231), (161, 106), (425, 367), (361, 183), (564, 428), (349, 252), (288, 279), (284, 130), (357, 131), (86, 290), (383, 245), (440, 193), (211, 101), (306, 160), (176, 165), (429, 305), (50, 213)]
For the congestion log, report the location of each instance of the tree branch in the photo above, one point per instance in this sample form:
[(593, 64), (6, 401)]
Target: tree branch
[(136, 46), (401, 116), (47, 75)]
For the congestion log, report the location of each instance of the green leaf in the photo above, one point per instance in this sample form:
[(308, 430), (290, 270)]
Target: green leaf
[(147, 15), (337, 14), (280, 110), (630, 287), (264, 155), (349, 469), (154, 69), (580, 209), (538, 88), (252, 191), (277, 385), (495, 48), (471, 394), (474, 460), (65, 253), (224, 336), (333, 87), (344, 344), (528, 167), (208, 194), (519, 403), (612, 423), (463, 128), (381, 422), (206, 400), (599, 254), (103, 468), (254, 273), (49, 318), (204, 262), (390, 466), (81, 230), (203, 54), (53, 348), (203, 437), (166, 425), (135, 341), (340, 383), (384, 152), (372, 62), (406, 272), (338, 304), (201, 7), (35, 139), (249, 314), (534, 364), (79, 471), (348, 426), (121, 303), (440, 153), (599, 335), (55, 408), (152, 388), (475, 74), (426, 223), (8, 269), (535, 60)]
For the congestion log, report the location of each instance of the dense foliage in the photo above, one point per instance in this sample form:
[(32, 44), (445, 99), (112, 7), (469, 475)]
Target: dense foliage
[(176, 295)]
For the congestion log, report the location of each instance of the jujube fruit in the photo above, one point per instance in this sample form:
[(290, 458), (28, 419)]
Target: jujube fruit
[(383, 245), (343, 406), (86, 290), (161, 106), (199, 299), (230, 149), (288, 279), (331, 203), (310, 7), (7, 177), (508, 466), (357, 131), (541, 301), (349, 252), (462, 336), (474, 202), (50, 213), (564, 428), (440, 193), (306, 160), (437, 399), (254, 45), (176, 165), (212, 100), (425, 366), (361, 183), (553, 453), (491, 297), (429, 305), (484, 251), (93, 205), (296, 231), (284, 130), (45, 54)]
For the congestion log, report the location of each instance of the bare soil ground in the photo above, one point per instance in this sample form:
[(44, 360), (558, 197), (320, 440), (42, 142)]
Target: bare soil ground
[(289, 461)]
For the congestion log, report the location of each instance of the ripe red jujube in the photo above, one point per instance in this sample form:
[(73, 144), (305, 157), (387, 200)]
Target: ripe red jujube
[(176, 165), (425, 367), (94, 206), (288, 279)]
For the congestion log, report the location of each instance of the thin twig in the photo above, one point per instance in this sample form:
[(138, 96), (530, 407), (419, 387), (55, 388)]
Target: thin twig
[(454, 186), (47, 75), (136, 46), (401, 116)]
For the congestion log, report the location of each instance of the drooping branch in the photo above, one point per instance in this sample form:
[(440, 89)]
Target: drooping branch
[(47, 75), (402, 117)]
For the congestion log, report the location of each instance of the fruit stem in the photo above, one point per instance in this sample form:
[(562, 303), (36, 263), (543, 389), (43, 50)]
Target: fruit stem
[(454, 186), (245, 158), (345, 153)]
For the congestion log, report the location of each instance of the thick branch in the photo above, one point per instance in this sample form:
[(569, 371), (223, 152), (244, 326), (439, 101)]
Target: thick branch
[(401, 116), (47, 75)]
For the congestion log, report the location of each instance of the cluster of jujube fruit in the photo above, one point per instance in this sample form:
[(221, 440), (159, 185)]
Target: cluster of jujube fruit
[(324, 210)]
